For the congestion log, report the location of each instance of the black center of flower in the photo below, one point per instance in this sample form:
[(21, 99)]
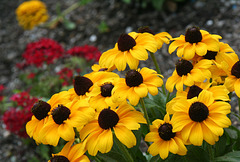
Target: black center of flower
[(183, 67), (145, 29), (103, 69), (59, 158), (107, 119), (210, 55), (165, 131), (40, 109), (198, 112), (236, 69), (81, 85), (193, 91), (60, 114), (125, 42), (193, 35), (106, 90), (133, 78)]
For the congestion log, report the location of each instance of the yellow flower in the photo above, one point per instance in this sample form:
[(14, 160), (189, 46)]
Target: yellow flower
[(201, 118), (121, 120), (41, 111), (97, 68), (186, 74), (71, 153), (160, 38), (164, 139), (136, 85), (62, 121), (129, 49), (194, 42), (232, 81), (219, 92), (101, 93), (31, 13)]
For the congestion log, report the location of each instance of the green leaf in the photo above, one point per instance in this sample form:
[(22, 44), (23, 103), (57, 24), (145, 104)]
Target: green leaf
[(232, 133), (196, 153), (220, 146), (158, 4), (69, 25), (112, 156), (127, 1), (229, 157)]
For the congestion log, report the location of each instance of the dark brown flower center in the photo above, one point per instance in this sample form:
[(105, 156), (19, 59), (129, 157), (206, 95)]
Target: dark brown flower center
[(183, 67), (106, 90), (193, 35), (210, 55), (198, 112), (107, 119), (103, 69), (194, 91), (165, 131), (60, 114), (125, 42), (145, 29), (81, 85), (236, 69), (40, 109), (59, 158), (133, 78)]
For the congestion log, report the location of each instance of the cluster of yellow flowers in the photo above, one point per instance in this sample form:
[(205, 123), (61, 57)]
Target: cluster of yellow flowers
[(99, 109), (31, 13)]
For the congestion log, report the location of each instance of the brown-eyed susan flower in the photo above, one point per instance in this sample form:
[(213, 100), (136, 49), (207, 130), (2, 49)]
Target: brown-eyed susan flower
[(101, 94), (232, 81), (201, 118), (41, 111), (129, 49), (164, 139), (71, 153), (186, 74), (97, 68), (195, 41), (219, 93), (62, 121), (160, 38), (31, 13), (121, 120), (136, 85)]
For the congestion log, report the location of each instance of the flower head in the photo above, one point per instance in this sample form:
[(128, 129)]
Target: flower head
[(164, 139), (98, 133), (201, 118), (70, 152), (31, 13), (160, 38), (129, 49), (186, 74), (42, 51), (136, 85), (195, 41)]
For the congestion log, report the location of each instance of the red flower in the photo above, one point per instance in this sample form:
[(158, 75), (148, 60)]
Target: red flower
[(31, 76), (15, 119), (1, 92), (67, 75), (45, 50), (87, 52)]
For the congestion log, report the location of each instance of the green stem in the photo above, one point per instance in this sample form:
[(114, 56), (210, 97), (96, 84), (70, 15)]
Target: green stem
[(210, 152), (124, 150), (145, 112), (63, 14), (157, 68)]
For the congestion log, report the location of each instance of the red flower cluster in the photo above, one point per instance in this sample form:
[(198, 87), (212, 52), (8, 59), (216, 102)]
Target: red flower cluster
[(15, 119), (87, 52), (1, 92), (44, 50), (66, 75)]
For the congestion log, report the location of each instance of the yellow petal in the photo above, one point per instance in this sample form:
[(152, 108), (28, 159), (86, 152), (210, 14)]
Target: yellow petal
[(208, 136), (201, 48), (154, 148), (196, 135), (189, 51), (173, 147), (237, 87), (206, 97), (66, 131), (105, 142), (125, 136), (165, 151), (141, 90)]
